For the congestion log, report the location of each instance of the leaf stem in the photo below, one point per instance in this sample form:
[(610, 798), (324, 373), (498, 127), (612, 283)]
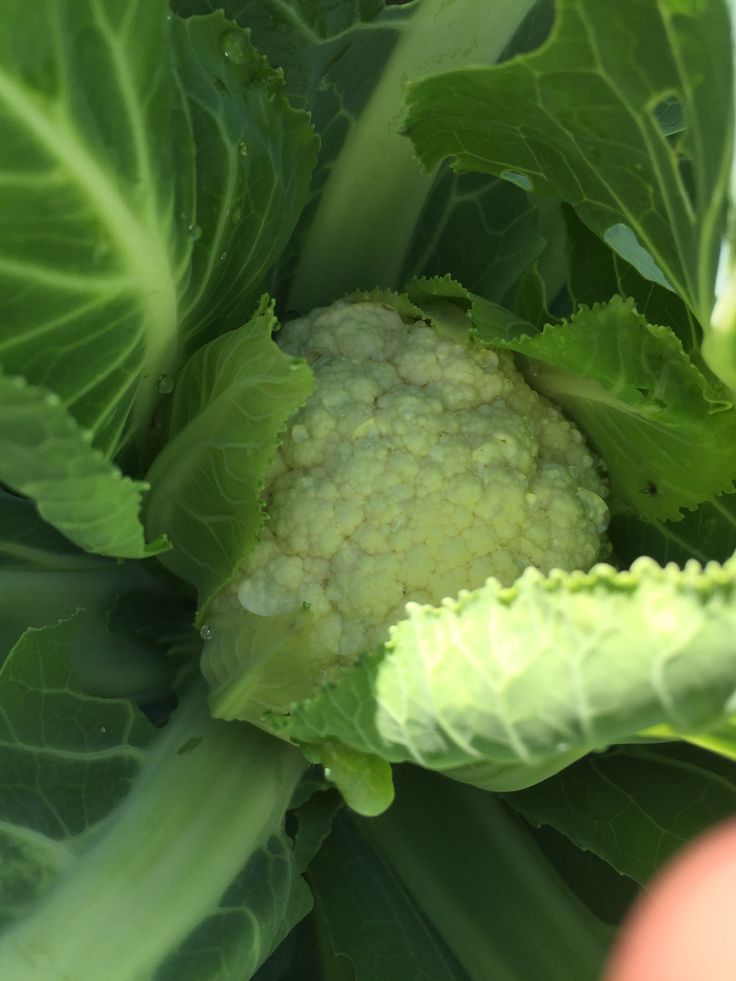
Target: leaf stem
[(209, 796), (490, 893), (376, 190)]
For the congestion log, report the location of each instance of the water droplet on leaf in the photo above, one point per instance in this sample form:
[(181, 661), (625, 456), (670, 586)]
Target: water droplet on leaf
[(165, 384), (521, 180), (194, 232), (243, 149), (206, 632), (235, 47)]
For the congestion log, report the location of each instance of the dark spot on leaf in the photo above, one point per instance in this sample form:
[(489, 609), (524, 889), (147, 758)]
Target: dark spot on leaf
[(189, 745), (650, 488)]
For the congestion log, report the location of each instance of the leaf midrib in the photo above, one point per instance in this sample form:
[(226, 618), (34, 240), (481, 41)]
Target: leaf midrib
[(136, 238)]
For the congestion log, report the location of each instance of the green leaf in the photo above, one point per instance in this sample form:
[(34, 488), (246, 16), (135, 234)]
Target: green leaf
[(504, 687), (605, 892), (232, 401), (364, 781), (378, 928), (96, 167), (47, 456), (634, 806), (45, 579), (105, 818), (253, 663), (708, 533), (356, 195), (721, 739), (254, 160), (478, 877), (583, 118), (66, 761), (27, 542), (99, 743), (530, 299), (302, 37), (596, 273), (333, 55), (347, 64), (483, 232), (256, 913), (664, 430), (151, 172), (315, 817)]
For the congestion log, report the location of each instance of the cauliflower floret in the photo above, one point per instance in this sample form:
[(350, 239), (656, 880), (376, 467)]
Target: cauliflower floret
[(417, 468)]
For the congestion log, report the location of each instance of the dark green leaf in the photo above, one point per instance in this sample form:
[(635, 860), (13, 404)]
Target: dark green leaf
[(635, 806), (347, 64), (606, 892), (586, 118), (597, 274), (314, 822), (367, 917), (254, 161), (483, 232), (478, 877), (66, 760), (706, 534)]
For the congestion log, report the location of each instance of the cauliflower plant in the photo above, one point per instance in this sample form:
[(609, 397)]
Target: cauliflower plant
[(418, 467)]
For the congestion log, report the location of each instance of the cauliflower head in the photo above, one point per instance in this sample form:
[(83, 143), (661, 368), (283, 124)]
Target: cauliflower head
[(418, 467)]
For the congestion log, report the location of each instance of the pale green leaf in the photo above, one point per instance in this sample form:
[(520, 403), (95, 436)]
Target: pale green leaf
[(364, 782), (664, 430), (233, 399), (506, 686)]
